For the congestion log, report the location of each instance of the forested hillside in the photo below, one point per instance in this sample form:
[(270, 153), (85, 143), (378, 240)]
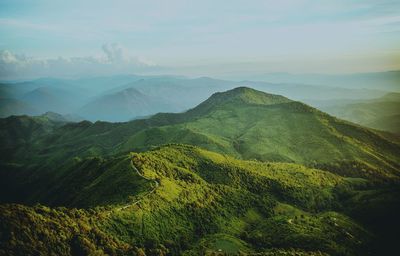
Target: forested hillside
[(243, 122), (258, 174), (204, 202)]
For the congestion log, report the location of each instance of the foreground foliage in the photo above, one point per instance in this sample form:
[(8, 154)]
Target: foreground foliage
[(210, 204)]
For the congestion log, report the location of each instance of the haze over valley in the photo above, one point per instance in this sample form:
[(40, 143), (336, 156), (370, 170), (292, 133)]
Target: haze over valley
[(126, 97)]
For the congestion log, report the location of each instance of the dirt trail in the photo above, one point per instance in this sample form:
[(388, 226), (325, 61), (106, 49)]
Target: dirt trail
[(143, 196)]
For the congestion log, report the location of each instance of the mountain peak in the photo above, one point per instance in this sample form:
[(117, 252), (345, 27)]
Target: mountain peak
[(248, 96), (53, 116), (239, 96)]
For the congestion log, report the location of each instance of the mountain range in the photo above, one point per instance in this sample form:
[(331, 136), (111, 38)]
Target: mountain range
[(242, 172), (387, 80), (380, 113), (86, 97)]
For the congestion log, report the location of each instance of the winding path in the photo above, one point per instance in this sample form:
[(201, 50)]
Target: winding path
[(142, 197)]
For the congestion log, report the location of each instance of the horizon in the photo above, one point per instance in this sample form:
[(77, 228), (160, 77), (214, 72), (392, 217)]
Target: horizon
[(225, 78), (44, 38)]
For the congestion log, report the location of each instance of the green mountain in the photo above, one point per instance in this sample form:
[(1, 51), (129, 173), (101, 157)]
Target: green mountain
[(91, 97), (389, 123), (381, 113), (261, 175), (191, 201), (242, 122)]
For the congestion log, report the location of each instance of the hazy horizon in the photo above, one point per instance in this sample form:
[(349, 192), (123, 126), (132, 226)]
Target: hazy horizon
[(70, 39)]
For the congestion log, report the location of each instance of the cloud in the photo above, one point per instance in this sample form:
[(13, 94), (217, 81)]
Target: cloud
[(116, 54), (113, 60), (113, 52)]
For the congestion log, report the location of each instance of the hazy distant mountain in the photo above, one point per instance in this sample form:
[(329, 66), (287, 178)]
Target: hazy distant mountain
[(16, 107), (88, 96), (381, 113), (183, 93), (306, 92), (53, 99), (55, 117), (379, 80), (53, 94), (122, 106)]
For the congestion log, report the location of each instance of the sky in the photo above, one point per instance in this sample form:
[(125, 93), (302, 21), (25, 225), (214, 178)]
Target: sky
[(197, 38)]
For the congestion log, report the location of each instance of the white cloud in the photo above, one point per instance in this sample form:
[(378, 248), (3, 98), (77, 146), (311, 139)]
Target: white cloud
[(116, 54), (114, 60)]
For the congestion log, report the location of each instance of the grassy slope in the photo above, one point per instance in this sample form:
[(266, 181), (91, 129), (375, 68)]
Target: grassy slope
[(382, 113), (79, 182), (389, 123), (242, 122), (284, 131), (205, 202)]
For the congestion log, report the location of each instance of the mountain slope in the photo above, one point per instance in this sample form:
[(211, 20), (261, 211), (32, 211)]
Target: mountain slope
[(389, 123), (176, 93), (9, 106), (248, 124), (244, 123), (204, 202), (381, 113), (53, 99)]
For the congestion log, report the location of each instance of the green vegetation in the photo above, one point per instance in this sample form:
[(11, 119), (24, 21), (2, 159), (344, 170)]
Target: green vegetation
[(41, 230), (243, 122), (78, 183), (381, 113), (205, 203), (281, 178)]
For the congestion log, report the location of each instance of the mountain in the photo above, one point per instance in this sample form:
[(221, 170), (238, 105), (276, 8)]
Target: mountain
[(310, 93), (189, 201), (386, 81), (17, 132), (55, 117), (179, 93), (175, 94), (242, 122), (123, 105), (52, 99), (64, 96), (18, 89), (86, 86), (16, 128), (389, 123), (9, 106), (260, 174), (393, 96), (380, 113)]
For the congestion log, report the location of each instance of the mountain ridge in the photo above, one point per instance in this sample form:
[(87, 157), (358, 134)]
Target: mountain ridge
[(230, 123), (255, 172)]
